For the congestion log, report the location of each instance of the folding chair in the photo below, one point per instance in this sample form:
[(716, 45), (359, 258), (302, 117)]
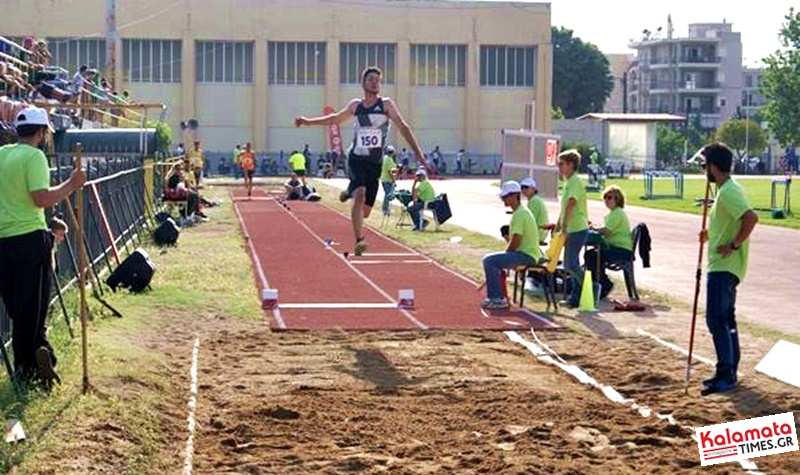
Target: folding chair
[(627, 267), (404, 197), (547, 268)]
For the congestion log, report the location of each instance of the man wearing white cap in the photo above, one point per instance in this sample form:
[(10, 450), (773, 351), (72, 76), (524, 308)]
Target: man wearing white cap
[(536, 205), (422, 195), (388, 174), (26, 245), (522, 248)]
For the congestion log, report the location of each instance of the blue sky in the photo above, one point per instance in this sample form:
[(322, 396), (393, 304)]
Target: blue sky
[(611, 23)]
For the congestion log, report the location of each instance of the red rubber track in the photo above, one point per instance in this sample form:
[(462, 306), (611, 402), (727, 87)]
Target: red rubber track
[(319, 289)]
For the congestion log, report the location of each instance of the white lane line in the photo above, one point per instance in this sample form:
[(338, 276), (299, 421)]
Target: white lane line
[(551, 357), (337, 305), (391, 262), (276, 313), (369, 281), (675, 347), (530, 313), (187, 463), (390, 254)]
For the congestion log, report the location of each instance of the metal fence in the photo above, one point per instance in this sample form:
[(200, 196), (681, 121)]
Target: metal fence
[(277, 164), (116, 212)]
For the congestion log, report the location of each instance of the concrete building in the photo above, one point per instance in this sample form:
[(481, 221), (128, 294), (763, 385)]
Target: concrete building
[(460, 71), (619, 64), (752, 99), (700, 73)]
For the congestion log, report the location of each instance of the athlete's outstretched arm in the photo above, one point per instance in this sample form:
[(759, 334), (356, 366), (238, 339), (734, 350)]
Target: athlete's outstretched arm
[(335, 118), (394, 114)]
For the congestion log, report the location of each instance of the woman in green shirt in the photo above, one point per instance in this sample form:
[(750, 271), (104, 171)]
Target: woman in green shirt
[(573, 220), (618, 245)]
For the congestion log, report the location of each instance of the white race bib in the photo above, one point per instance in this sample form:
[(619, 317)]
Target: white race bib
[(369, 138)]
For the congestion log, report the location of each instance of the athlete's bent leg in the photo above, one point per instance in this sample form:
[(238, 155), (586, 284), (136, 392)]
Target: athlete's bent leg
[(357, 211)]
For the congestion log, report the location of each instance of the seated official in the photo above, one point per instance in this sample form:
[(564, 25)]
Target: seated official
[(522, 248), (422, 195), (294, 188), (618, 243), (178, 190)]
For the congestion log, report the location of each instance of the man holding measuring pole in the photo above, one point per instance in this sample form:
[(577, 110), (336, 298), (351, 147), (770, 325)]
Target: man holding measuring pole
[(731, 222), (26, 244)]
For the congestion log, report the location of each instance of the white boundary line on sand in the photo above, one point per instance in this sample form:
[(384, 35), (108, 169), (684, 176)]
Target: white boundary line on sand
[(443, 267), (344, 305), (276, 313), (551, 357), (187, 463), (674, 347), (369, 281)]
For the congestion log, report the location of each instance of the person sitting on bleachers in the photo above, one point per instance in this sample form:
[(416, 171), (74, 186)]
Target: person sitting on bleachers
[(422, 195), (618, 245)]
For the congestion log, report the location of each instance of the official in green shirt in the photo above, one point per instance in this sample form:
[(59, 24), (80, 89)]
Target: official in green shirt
[(618, 243), (573, 220), (26, 244), (731, 222), (422, 195), (388, 174), (297, 162), (522, 248), (536, 205)]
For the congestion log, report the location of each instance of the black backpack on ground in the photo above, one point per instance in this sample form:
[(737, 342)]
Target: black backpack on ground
[(134, 273), (166, 234)]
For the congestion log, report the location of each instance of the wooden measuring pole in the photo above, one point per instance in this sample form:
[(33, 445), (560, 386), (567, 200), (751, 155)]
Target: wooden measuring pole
[(82, 267)]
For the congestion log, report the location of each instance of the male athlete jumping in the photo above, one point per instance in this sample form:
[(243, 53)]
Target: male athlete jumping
[(372, 115)]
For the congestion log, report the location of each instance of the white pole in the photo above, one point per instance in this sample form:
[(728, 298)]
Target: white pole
[(747, 132)]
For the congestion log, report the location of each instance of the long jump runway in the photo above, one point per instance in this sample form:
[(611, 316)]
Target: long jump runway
[(318, 288)]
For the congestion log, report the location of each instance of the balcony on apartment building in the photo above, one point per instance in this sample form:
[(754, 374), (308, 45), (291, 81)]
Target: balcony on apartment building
[(696, 86), (684, 61)]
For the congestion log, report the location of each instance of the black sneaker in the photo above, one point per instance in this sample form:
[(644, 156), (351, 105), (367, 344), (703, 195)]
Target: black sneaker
[(719, 386), (344, 196), (44, 363)]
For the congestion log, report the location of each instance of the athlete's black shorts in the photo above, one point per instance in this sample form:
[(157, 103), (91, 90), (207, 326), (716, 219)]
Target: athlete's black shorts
[(366, 172), (249, 173), (300, 172)]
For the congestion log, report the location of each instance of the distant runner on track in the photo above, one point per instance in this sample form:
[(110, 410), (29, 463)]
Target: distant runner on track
[(372, 114)]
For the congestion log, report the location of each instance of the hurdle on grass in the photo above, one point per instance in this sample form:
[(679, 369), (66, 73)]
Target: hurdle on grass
[(786, 184), (650, 176)]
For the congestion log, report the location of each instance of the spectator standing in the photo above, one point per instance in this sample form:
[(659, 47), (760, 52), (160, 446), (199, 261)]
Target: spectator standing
[(388, 176), (26, 243)]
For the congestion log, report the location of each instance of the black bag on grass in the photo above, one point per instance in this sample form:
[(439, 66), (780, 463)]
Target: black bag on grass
[(166, 234), (134, 274)]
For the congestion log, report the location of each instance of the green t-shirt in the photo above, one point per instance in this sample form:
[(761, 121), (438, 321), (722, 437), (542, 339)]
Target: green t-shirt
[(236, 153), (724, 223), (425, 191), (573, 188), (617, 223), (539, 211), (23, 169), (297, 161), (522, 223), (386, 168)]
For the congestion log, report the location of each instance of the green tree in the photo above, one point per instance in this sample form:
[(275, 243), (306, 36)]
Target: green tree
[(741, 134), (669, 144), (582, 79), (556, 113), (780, 83)]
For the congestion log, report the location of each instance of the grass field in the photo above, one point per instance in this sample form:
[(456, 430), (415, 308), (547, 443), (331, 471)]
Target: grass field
[(758, 190)]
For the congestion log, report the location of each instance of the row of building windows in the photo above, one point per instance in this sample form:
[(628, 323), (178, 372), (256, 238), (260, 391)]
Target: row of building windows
[(302, 63)]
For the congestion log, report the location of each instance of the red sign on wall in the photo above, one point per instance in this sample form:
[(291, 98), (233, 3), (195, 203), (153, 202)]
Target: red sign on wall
[(334, 137), (551, 152)]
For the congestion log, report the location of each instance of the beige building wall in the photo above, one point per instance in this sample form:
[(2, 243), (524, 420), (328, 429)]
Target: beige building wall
[(619, 65), (478, 113)]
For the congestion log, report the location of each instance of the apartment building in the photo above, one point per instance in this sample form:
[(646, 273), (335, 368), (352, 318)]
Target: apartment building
[(460, 71), (752, 99), (698, 74)]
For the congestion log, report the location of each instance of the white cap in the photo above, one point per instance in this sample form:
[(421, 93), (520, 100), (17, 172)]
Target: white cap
[(32, 116), (528, 182), (509, 187), (421, 172), (389, 149)]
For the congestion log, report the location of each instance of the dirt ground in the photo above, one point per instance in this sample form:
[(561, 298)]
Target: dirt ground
[(431, 403)]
